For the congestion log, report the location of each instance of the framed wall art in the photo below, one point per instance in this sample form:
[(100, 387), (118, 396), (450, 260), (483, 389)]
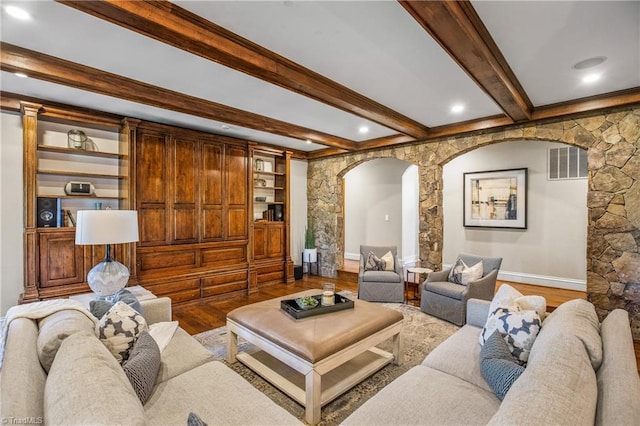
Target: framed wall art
[(495, 199)]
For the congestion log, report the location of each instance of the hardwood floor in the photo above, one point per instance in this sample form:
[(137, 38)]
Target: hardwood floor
[(205, 315)]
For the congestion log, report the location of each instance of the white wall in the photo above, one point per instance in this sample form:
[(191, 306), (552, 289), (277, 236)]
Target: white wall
[(298, 208), (552, 250), (373, 190), (410, 215), (11, 211)]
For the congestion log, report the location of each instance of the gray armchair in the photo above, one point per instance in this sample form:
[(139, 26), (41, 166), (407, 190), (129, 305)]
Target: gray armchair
[(447, 300), (380, 286)]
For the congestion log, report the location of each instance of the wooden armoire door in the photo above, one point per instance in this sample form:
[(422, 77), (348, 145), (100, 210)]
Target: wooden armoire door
[(236, 189), (211, 198), (151, 190), (184, 204)]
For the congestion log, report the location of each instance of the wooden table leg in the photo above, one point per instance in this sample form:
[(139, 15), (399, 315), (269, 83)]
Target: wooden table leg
[(313, 389), (232, 346), (398, 349)]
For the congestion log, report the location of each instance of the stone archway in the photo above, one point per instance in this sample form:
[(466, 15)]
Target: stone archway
[(612, 140)]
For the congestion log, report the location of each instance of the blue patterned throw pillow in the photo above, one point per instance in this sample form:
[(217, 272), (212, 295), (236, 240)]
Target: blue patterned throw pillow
[(498, 366), (520, 328)]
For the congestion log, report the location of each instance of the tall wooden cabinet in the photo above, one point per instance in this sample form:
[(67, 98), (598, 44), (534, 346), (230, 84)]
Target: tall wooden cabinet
[(53, 265), (213, 211), (191, 193), (271, 257)]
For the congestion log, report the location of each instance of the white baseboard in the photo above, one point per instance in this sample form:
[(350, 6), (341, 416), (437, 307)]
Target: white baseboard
[(541, 280), (352, 256)]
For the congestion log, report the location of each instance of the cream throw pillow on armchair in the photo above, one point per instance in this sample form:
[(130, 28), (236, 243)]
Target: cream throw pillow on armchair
[(389, 264)]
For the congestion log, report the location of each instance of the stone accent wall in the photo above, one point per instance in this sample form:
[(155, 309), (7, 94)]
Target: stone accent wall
[(613, 199)]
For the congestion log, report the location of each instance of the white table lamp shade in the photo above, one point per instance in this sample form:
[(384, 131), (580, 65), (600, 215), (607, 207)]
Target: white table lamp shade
[(106, 227)]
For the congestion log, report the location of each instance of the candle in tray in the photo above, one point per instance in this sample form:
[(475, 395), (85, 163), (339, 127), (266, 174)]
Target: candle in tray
[(328, 294)]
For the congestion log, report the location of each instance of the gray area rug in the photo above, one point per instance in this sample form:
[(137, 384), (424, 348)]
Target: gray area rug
[(422, 333)]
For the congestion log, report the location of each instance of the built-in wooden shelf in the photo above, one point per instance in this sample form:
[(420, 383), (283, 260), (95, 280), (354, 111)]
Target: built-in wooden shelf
[(79, 174), (86, 197), (63, 150)]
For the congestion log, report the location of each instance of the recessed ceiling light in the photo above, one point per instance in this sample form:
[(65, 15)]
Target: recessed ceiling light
[(225, 127), (308, 141), (20, 74), (457, 108), (363, 129), (589, 63), (18, 13), (590, 78)]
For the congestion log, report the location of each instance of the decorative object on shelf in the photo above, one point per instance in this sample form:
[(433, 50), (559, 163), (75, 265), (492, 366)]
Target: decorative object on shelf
[(496, 199), (79, 188), (77, 139), (277, 215), (310, 253), (107, 227), (259, 182), (261, 199), (268, 167), (259, 165), (328, 294)]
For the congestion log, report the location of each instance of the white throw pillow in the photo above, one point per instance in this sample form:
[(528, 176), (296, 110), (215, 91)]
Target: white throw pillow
[(119, 328), (388, 261), (463, 274)]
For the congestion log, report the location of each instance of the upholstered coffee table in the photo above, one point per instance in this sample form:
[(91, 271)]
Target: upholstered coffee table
[(315, 359)]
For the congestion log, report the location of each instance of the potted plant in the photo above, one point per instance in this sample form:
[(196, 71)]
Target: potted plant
[(310, 253)]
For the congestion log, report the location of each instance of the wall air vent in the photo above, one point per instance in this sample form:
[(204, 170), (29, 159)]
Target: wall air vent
[(567, 163)]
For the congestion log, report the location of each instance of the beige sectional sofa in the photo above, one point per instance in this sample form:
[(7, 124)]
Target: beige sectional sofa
[(86, 385), (579, 372)]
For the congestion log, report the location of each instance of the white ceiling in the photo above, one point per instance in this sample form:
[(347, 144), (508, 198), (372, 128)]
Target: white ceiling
[(375, 48)]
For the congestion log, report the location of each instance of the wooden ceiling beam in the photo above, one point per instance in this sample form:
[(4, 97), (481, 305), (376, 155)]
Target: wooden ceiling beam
[(59, 71), (177, 27), (458, 29), (384, 141), (578, 106)]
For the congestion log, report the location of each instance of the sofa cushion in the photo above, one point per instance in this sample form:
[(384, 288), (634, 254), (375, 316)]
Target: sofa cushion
[(182, 354), (142, 366), (459, 356), (463, 274), (86, 385), (218, 395), (428, 397), (119, 328), (22, 376), (380, 276), (498, 366), (518, 328), (389, 264), (558, 387), (100, 307), (57, 327), (578, 318), (618, 387)]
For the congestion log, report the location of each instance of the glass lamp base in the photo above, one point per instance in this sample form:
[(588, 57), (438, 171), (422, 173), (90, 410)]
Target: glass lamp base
[(107, 278)]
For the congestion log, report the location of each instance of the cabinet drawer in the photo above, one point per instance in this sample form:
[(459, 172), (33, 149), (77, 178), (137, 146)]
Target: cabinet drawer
[(178, 291), (227, 283), (223, 256), (171, 259)]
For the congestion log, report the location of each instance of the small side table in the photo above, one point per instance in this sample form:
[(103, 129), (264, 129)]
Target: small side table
[(138, 291), (416, 272)]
